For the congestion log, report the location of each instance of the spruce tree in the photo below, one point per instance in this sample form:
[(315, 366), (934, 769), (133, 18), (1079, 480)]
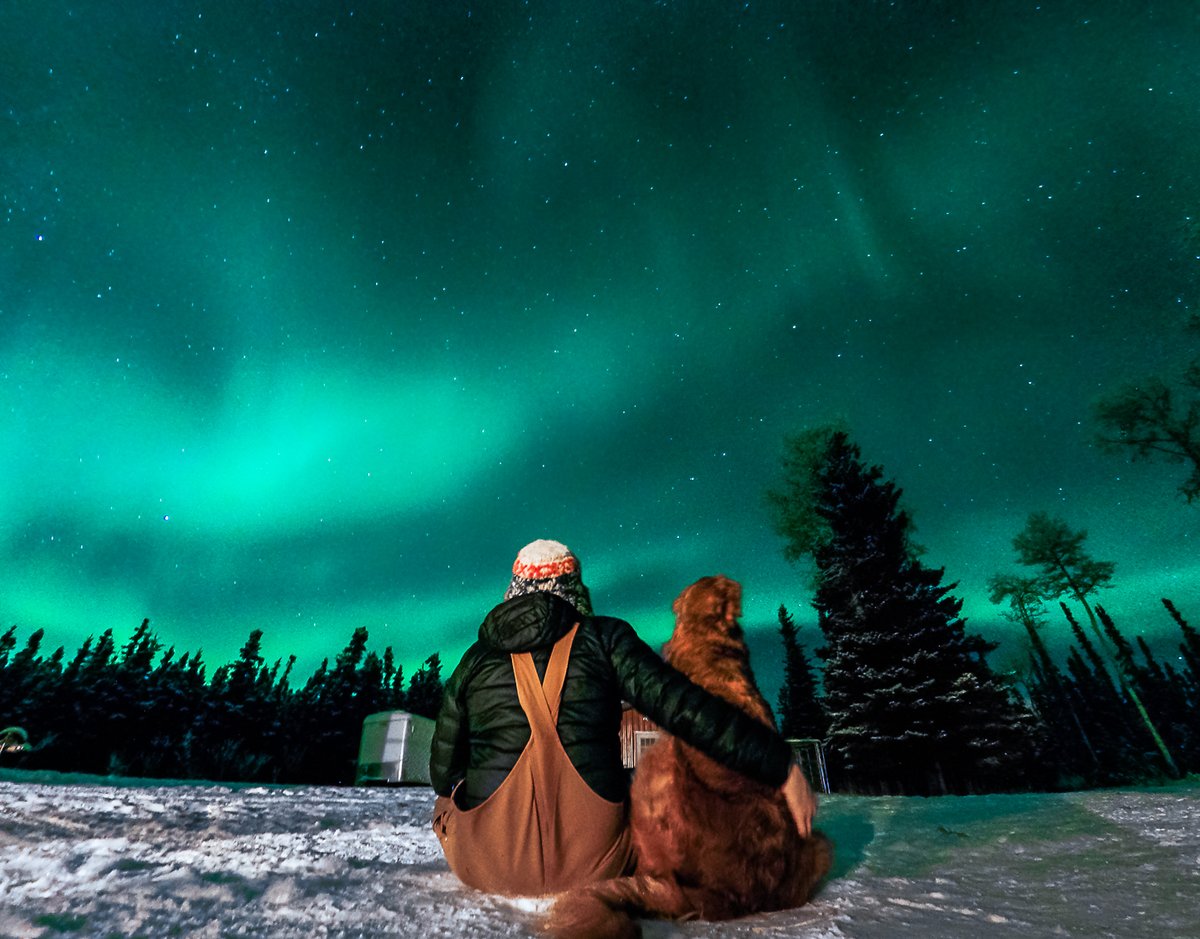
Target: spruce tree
[(393, 678), (99, 710), (174, 709), (801, 714), (134, 717), (331, 712), (1101, 712), (425, 688), (1165, 695), (372, 695), (912, 704), (17, 677), (1114, 724), (28, 684), (245, 709), (8, 642), (139, 652)]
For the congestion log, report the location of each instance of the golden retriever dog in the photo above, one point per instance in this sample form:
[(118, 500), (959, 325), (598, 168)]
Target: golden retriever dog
[(710, 842)]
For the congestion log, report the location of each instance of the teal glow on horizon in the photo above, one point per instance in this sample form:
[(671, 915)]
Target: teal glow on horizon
[(311, 318)]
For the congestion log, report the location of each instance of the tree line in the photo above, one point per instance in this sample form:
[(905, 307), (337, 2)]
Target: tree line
[(906, 701), (138, 710)]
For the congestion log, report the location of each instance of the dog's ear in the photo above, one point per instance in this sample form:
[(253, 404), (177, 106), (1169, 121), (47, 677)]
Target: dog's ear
[(698, 601)]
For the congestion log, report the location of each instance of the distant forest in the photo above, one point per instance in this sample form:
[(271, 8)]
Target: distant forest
[(111, 711), (906, 705)]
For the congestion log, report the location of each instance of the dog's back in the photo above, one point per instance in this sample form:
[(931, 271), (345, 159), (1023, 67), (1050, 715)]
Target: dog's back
[(709, 841)]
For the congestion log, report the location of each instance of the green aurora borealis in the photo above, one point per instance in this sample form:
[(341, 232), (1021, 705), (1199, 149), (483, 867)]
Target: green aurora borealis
[(312, 313)]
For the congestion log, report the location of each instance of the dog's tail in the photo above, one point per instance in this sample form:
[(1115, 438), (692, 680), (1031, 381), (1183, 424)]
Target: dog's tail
[(606, 909)]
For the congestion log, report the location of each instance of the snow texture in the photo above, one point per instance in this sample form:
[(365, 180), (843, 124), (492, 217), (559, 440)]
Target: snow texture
[(118, 860)]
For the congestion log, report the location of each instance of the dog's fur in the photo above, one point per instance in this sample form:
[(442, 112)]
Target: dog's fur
[(710, 842)]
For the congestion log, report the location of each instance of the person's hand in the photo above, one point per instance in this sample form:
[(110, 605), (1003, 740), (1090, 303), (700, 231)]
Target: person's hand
[(800, 799)]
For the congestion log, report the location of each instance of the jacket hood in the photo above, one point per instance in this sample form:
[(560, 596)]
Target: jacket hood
[(528, 622)]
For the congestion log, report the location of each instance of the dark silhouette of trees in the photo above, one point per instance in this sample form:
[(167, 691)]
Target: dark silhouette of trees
[(801, 713), (8, 642), (1066, 569), (140, 711), (1065, 751), (425, 688), (1094, 733), (913, 706), (1111, 722), (27, 682), (341, 697)]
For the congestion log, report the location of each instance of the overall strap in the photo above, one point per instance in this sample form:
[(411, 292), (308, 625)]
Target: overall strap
[(540, 699)]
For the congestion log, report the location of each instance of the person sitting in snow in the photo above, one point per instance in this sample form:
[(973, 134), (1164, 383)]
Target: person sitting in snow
[(526, 757)]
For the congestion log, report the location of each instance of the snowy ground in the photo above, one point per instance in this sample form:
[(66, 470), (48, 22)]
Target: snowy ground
[(119, 861)]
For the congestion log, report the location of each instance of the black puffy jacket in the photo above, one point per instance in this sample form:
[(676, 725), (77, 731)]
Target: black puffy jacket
[(481, 729)]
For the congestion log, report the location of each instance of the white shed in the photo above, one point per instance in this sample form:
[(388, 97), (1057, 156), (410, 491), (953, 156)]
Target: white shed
[(394, 749)]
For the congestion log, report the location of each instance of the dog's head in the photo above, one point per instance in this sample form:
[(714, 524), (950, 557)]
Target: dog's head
[(715, 602)]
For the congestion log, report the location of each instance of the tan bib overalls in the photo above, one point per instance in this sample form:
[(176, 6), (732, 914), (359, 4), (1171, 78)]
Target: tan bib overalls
[(543, 830)]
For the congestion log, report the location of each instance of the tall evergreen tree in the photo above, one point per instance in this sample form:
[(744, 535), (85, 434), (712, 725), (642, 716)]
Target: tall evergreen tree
[(373, 694), (1064, 744), (99, 710), (393, 681), (331, 709), (138, 654), (1066, 569), (131, 706), (1124, 651), (1113, 721), (173, 711), (28, 686), (17, 676), (425, 688), (801, 713), (1153, 692), (1165, 694), (8, 642), (912, 704), (244, 713), (1102, 713)]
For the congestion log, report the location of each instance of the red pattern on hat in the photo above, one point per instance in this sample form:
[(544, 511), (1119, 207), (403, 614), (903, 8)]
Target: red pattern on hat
[(546, 569)]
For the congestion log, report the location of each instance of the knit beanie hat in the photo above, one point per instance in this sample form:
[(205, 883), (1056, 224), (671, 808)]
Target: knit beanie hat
[(549, 567)]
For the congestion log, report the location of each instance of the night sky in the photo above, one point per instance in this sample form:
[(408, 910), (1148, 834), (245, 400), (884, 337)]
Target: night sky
[(312, 313)]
